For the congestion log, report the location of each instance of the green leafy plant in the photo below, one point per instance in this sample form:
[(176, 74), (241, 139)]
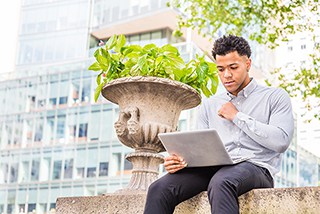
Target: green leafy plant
[(116, 59)]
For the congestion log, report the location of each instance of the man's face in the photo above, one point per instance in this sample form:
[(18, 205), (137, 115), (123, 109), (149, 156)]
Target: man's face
[(233, 71)]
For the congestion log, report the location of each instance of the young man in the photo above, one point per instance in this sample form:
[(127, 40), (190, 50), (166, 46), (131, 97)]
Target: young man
[(253, 121)]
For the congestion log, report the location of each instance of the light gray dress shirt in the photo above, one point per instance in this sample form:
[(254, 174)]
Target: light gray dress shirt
[(262, 129)]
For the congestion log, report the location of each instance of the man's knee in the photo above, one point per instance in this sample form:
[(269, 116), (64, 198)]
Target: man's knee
[(156, 186), (160, 198), (159, 189), (221, 183)]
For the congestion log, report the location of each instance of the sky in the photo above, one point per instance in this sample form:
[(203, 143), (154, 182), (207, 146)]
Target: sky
[(9, 20)]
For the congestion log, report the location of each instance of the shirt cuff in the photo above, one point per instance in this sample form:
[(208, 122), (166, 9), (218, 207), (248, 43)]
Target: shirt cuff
[(239, 119)]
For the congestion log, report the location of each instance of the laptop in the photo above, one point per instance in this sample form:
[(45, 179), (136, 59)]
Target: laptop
[(198, 148)]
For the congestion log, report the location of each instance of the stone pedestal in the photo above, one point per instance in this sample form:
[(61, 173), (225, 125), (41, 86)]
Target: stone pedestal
[(260, 201)]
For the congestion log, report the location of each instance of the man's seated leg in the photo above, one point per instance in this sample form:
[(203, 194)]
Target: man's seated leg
[(170, 190), (232, 181)]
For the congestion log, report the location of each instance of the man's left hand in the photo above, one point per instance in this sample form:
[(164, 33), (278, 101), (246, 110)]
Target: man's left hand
[(228, 111)]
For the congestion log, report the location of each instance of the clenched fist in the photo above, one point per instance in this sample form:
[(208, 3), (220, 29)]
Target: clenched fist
[(228, 111)]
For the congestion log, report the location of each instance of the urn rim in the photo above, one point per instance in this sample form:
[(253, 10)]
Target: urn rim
[(184, 88)]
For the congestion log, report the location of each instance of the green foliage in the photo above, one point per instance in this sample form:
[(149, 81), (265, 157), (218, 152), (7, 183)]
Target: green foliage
[(304, 83), (116, 60), (268, 22)]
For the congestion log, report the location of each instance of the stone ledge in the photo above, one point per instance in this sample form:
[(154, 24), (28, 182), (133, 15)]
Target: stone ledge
[(277, 200)]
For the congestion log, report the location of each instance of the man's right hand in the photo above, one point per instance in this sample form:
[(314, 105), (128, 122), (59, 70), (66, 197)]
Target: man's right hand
[(174, 163)]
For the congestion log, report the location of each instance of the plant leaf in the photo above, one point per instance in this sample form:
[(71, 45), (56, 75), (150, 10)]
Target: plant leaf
[(95, 67), (98, 91), (142, 64), (214, 83), (149, 46), (174, 60), (112, 41), (205, 90), (170, 49), (103, 62), (121, 41), (98, 80), (96, 52)]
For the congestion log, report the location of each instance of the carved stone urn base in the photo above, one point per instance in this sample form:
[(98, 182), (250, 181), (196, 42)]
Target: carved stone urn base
[(148, 106), (145, 170)]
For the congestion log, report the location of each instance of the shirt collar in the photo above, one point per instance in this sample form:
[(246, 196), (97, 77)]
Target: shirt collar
[(246, 91)]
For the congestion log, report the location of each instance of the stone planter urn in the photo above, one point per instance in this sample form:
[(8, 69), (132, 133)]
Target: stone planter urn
[(148, 106)]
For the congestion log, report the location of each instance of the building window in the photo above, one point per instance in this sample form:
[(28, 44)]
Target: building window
[(83, 130), (68, 168), (24, 172), (4, 173), (54, 87), (14, 173), (127, 167), (45, 169), (290, 48), (31, 208), (115, 164), (94, 125), (10, 208), (42, 208), (107, 128), (49, 131), (86, 91), (35, 170), (91, 172), (83, 124), (63, 100), (31, 103), (61, 126), (56, 174), (80, 163), (80, 172), (72, 127), (52, 206), (304, 46), (156, 35), (41, 95), (75, 92), (39, 130), (28, 127), (63, 92), (103, 169)]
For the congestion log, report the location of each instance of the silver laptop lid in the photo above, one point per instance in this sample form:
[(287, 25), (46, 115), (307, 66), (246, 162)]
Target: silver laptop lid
[(197, 148)]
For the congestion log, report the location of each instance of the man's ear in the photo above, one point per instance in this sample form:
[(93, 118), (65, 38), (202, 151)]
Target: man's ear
[(248, 64)]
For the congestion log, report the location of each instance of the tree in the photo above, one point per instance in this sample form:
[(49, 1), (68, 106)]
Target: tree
[(268, 22)]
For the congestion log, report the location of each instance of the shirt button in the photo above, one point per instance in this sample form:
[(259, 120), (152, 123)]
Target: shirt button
[(238, 103)]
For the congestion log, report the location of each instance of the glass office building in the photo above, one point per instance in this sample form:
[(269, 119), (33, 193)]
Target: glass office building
[(55, 140)]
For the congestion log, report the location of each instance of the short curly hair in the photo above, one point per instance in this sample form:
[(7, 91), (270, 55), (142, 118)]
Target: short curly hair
[(230, 43)]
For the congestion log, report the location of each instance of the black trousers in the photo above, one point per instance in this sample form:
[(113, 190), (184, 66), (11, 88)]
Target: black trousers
[(223, 183)]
